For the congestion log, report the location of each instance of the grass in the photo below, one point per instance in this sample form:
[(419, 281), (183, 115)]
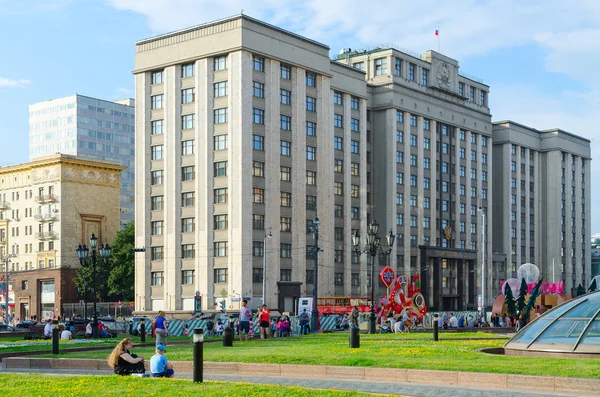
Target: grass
[(417, 351), (66, 386)]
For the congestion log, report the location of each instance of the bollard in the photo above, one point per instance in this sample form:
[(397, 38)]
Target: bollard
[(130, 327), (228, 336), (435, 327), (354, 338), (54, 336), (198, 354), (143, 330)]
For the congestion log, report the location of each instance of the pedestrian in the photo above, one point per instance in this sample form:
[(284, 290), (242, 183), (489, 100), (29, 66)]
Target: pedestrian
[(245, 314), (219, 328), (48, 329), (66, 334), (210, 325), (264, 321), (88, 329), (123, 361), (159, 365), (161, 329), (303, 322)]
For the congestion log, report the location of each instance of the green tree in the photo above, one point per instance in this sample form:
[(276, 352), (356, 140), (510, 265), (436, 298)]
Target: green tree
[(593, 287), (531, 302), (509, 300), (122, 270), (86, 273), (522, 294)]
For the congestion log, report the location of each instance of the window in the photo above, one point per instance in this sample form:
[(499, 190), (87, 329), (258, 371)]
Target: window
[(354, 169), (157, 203), (285, 274), (156, 101), (187, 70), (258, 221), (220, 222), (338, 120), (156, 177), (220, 248), (311, 203), (399, 116), (286, 72), (311, 80), (426, 182), (426, 163), (380, 66), (426, 125), (338, 211), (399, 218), (187, 277), (354, 103), (338, 188), (258, 64), (413, 221), (354, 147), (220, 275), (484, 176), (473, 155), (157, 127), (399, 178), (473, 173), (258, 89), (311, 104), (413, 200), (424, 77), (285, 224), (413, 160), (285, 148), (444, 205), (355, 213), (285, 122), (188, 95), (398, 66), (426, 202), (258, 169), (482, 98), (355, 192), (221, 142), (157, 77), (463, 208), (461, 89), (258, 248), (258, 195), (220, 89), (156, 278), (413, 120), (473, 191), (338, 143), (188, 251), (413, 180), (221, 115), (220, 168), (157, 152), (156, 228), (187, 225), (359, 65), (473, 139), (187, 148), (338, 258), (311, 128), (444, 187), (337, 98), (258, 116), (311, 178), (471, 94), (399, 198), (220, 195), (285, 97), (444, 167), (484, 144), (285, 173), (188, 173), (399, 136), (426, 143), (188, 121), (188, 199), (339, 233), (221, 63), (311, 153), (338, 165), (462, 190), (286, 251), (354, 125), (157, 254), (484, 158), (258, 142), (411, 71)]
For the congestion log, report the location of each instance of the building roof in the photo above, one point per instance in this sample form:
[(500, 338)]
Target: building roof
[(510, 122), (60, 158)]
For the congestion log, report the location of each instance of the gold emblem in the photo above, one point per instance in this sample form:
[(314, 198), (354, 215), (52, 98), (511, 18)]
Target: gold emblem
[(448, 232)]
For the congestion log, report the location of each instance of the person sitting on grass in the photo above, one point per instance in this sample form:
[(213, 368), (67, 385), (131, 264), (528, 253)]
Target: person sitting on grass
[(48, 329), (123, 361), (159, 365), (66, 334)]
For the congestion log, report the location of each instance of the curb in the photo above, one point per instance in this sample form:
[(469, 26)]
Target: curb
[(391, 375)]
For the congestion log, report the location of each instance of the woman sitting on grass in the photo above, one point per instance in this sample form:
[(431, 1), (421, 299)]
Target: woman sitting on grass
[(123, 361)]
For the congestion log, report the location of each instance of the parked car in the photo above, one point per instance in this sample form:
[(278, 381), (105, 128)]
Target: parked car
[(4, 327), (24, 325)]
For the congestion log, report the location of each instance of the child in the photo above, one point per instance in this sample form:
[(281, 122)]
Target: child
[(219, 328), (159, 366)]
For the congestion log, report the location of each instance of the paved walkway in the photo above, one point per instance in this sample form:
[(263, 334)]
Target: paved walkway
[(406, 389)]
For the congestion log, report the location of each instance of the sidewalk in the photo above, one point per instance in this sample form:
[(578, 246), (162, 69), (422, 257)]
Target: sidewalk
[(406, 389)]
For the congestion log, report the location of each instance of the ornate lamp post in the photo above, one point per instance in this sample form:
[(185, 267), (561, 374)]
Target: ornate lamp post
[(94, 260), (372, 248)]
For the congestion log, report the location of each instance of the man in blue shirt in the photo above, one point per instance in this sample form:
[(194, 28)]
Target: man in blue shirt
[(159, 365), (245, 314)]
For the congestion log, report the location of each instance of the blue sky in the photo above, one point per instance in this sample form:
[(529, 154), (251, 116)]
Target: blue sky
[(539, 57)]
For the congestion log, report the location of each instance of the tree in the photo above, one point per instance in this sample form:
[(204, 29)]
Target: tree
[(522, 294), (531, 302), (122, 270), (593, 287), (86, 273), (509, 300)]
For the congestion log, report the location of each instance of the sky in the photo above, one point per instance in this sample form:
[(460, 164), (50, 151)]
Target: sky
[(540, 58)]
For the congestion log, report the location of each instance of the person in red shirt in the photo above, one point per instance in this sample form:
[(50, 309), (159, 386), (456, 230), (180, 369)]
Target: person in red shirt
[(264, 318)]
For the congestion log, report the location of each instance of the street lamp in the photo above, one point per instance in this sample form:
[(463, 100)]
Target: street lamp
[(6, 260), (373, 248), (82, 254), (315, 310), (264, 291)]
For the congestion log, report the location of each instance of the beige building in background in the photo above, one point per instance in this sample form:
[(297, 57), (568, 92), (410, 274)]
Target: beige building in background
[(48, 207)]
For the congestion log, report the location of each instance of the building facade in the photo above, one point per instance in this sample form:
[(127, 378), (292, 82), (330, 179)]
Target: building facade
[(89, 127), (48, 207), (542, 202)]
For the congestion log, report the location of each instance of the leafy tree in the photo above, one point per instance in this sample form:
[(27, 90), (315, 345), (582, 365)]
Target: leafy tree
[(531, 301), (122, 270), (86, 273), (522, 294), (593, 287), (509, 300), (580, 290)]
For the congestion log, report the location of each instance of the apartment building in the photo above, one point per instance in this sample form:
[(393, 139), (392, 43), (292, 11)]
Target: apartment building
[(90, 127), (48, 207), (542, 200), (245, 130)]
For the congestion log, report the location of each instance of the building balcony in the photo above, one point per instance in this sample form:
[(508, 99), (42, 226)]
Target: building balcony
[(46, 198), (4, 205), (50, 217), (46, 235)]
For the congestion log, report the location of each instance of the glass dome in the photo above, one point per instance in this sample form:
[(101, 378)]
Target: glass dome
[(572, 327)]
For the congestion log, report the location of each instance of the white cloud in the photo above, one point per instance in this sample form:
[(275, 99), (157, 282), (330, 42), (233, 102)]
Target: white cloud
[(10, 83)]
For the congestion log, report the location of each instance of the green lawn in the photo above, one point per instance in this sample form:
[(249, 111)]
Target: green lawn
[(416, 350), (66, 386)]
